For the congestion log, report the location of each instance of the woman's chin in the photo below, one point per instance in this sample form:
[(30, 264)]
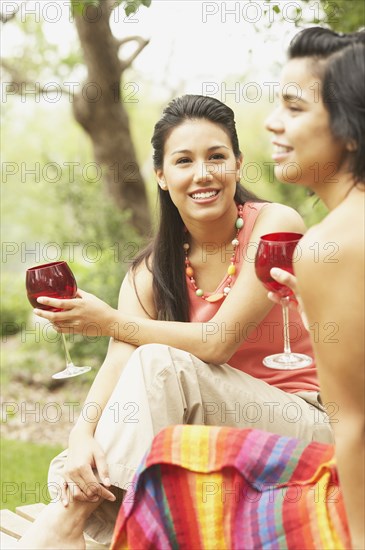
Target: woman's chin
[(288, 174)]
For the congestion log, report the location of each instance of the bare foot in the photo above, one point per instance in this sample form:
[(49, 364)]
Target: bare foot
[(58, 528)]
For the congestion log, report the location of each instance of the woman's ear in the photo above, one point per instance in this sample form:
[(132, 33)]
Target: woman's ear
[(161, 180)]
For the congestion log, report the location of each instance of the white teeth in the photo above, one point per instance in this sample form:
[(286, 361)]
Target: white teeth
[(206, 195), (281, 149)]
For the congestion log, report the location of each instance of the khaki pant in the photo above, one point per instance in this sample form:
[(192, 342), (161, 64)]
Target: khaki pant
[(162, 386)]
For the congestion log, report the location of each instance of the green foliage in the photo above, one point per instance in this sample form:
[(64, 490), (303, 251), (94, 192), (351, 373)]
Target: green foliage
[(339, 15), (79, 5), (37, 59), (14, 306), (24, 468), (73, 212), (344, 15), (130, 6)]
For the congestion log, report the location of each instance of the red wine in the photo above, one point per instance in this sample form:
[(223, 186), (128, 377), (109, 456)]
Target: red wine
[(276, 250), (263, 273), (54, 280), (32, 297)]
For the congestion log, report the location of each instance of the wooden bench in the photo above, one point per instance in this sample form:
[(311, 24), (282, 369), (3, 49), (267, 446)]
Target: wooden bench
[(13, 526)]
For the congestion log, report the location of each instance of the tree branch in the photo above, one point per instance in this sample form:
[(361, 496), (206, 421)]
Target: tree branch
[(142, 43), (20, 83), (6, 18), (110, 5)]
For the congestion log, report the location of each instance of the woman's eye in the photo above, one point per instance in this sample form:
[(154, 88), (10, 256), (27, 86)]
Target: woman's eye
[(294, 109), (217, 156), (183, 160)]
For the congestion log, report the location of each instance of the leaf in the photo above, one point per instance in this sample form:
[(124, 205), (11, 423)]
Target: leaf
[(77, 6), (130, 8), (276, 9), (146, 3)]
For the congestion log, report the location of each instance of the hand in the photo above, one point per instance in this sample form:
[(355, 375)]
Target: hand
[(85, 457), (289, 280), (86, 314)]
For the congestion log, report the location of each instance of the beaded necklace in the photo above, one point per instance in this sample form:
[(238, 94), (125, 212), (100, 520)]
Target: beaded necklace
[(231, 271)]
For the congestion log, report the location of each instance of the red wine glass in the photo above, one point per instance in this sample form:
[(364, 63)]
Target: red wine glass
[(278, 250), (54, 280)]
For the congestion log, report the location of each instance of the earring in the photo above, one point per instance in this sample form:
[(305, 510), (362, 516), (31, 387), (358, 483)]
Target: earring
[(351, 146), (163, 185)]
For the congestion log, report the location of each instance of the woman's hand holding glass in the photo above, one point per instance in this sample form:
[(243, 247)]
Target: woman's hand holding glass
[(277, 250), (86, 314), (285, 278), (55, 280)]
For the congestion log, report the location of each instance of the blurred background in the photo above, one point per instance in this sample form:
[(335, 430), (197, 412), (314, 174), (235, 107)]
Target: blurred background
[(83, 83)]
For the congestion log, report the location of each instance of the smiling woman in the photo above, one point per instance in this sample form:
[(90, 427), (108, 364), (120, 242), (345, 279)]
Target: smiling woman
[(299, 126), (216, 487), (325, 136), (203, 325)]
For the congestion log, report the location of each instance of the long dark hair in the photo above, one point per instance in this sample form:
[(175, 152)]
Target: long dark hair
[(164, 256), (338, 60), (344, 97)]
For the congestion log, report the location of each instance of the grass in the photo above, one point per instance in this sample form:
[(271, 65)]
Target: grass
[(24, 468)]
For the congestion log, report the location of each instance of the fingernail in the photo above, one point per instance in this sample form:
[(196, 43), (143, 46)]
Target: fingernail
[(36, 311), (275, 271), (107, 481), (65, 502), (112, 498), (41, 300)]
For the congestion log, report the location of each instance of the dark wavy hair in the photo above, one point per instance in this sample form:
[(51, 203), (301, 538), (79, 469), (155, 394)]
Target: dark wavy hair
[(338, 60), (164, 256), (320, 43)]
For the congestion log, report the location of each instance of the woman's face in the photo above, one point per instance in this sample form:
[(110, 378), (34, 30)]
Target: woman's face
[(199, 170), (305, 150)]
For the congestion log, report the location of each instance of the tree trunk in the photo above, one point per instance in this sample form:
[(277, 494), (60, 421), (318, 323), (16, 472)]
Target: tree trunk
[(100, 111)]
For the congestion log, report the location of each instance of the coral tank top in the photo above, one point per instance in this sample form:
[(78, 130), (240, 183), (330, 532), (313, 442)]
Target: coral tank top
[(265, 338)]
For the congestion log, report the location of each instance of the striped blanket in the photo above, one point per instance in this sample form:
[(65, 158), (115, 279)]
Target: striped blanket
[(204, 487)]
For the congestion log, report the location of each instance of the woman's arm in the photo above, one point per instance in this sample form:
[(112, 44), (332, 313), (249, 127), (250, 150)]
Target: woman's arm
[(119, 352), (332, 289), (85, 455), (215, 341)]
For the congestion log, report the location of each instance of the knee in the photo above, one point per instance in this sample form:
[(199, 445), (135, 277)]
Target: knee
[(163, 353), (155, 358)]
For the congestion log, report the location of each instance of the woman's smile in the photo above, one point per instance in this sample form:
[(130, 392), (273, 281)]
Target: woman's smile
[(200, 170)]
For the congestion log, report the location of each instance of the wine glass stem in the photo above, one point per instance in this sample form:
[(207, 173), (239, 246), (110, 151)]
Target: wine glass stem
[(68, 358), (285, 307)]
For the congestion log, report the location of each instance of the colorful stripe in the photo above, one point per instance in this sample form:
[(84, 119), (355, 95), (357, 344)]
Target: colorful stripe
[(215, 488)]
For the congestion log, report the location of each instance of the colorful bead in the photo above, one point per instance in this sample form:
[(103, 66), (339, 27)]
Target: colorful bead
[(215, 298), (230, 271)]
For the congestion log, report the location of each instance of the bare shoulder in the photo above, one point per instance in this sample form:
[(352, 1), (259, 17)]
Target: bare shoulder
[(279, 217), (136, 291), (330, 275), (335, 245), (330, 268)]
